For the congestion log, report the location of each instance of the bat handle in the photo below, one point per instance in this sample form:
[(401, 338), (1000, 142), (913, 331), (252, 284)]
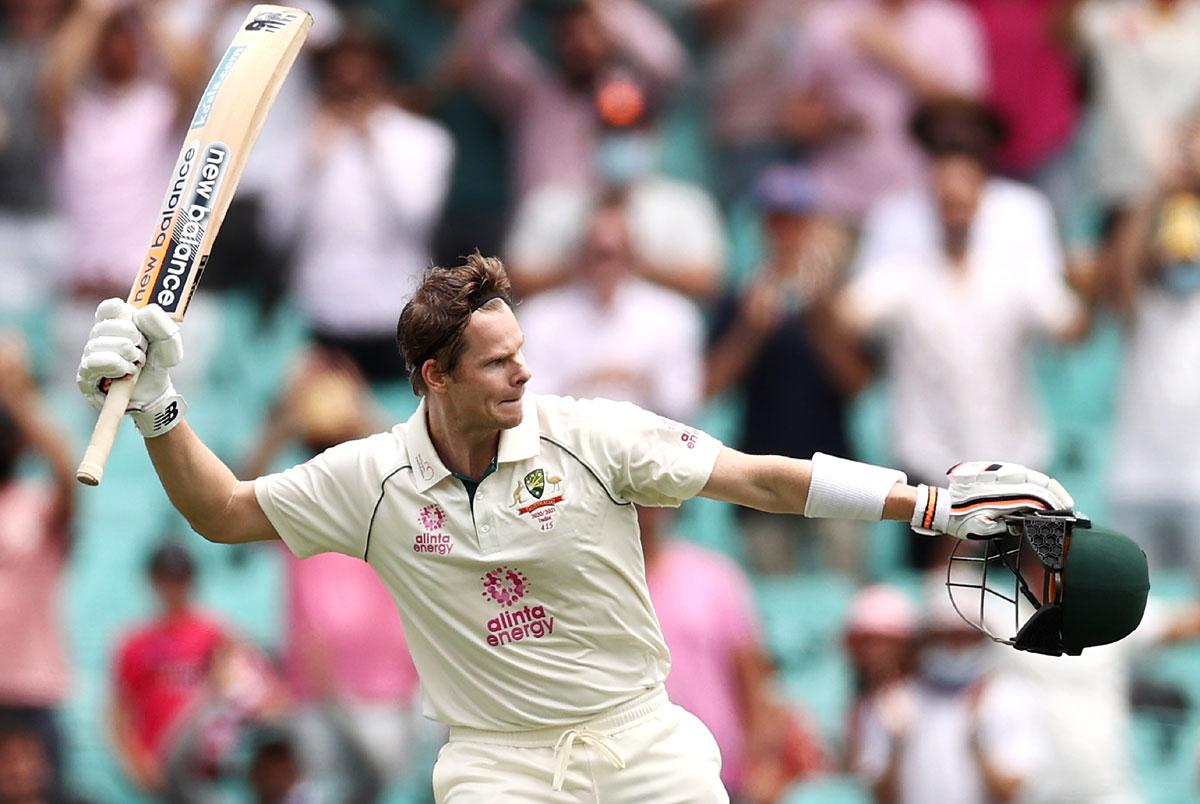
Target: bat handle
[(91, 468)]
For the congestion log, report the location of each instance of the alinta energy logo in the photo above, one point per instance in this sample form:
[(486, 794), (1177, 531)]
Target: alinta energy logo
[(431, 539), (506, 586)]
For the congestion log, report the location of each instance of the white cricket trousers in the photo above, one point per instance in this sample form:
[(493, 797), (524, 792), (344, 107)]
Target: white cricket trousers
[(648, 751)]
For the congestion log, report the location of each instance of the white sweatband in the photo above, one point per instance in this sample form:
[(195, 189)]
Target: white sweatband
[(842, 489), (931, 515)]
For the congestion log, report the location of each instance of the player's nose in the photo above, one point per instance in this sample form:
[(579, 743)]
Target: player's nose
[(523, 374)]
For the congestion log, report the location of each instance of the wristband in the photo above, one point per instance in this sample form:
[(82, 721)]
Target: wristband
[(160, 416), (842, 489), (931, 516)]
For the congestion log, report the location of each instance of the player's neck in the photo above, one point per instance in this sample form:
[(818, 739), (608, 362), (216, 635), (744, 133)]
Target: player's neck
[(462, 449)]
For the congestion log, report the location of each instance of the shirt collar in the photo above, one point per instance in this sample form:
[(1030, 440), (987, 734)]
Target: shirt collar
[(516, 444), (428, 469)]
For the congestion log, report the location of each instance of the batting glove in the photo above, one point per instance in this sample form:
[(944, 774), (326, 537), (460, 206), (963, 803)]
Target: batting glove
[(123, 340), (979, 493)]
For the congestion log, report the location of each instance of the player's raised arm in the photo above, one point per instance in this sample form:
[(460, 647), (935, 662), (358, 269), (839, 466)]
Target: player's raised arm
[(828, 487), (216, 504)]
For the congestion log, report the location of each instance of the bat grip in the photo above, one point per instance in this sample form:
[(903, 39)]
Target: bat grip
[(91, 468)]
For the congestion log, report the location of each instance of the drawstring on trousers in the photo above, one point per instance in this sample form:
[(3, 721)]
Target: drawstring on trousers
[(562, 751)]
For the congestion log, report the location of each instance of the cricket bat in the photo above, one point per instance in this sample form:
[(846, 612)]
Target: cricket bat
[(227, 120)]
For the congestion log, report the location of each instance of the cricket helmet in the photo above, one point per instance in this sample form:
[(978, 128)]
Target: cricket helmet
[(1052, 584)]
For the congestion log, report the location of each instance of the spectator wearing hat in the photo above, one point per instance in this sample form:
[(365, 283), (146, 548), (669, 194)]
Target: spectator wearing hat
[(957, 731), (1102, 615), (957, 355), (775, 343), (879, 639), (160, 670)]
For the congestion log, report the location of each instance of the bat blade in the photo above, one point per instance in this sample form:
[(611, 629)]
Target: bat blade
[(227, 120)]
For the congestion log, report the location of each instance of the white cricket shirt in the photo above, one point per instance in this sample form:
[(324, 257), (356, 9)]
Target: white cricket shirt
[(528, 608)]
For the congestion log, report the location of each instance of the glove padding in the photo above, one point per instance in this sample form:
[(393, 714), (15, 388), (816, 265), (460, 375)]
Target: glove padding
[(981, 491), (123, 340)]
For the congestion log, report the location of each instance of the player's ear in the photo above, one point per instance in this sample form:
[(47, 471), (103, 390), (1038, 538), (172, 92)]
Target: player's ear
[(434, 375)]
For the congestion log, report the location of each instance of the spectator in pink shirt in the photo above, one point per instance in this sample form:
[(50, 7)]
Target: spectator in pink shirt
[(161, 671), (719, 672), (1033, 85), (116, 86), (880, 643), (35, 543), (551, 108), (864, 67), (344, 645)]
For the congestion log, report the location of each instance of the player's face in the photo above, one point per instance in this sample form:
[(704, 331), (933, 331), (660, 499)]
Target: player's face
[(486, 387)]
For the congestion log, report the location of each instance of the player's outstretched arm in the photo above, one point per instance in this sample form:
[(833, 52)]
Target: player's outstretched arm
[(972, 505), (781, 485), (215, 503)]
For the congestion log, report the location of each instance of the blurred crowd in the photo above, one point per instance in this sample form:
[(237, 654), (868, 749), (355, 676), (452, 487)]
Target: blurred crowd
[(766, 207)]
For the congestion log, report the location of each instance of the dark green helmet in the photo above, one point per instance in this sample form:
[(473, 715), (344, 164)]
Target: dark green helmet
[(1072, 586)]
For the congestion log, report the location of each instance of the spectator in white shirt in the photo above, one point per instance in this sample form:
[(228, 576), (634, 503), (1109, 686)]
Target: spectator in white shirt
[(356, 201), (609, 333), (1084, 702), (1155, 487), (1146, 81), (958, 731), (957, 324), (242, 258)]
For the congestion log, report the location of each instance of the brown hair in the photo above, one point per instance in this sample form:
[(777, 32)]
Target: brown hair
[(432, 323)]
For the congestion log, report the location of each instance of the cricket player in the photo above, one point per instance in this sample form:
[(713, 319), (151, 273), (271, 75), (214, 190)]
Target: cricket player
[(504, 525)]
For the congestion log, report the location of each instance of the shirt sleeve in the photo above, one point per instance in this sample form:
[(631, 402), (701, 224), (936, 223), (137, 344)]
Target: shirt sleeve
[(324, 505), (647, 459)]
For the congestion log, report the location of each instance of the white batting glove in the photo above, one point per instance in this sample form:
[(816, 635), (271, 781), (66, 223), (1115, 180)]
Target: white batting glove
[(123, 340), (981, 491)]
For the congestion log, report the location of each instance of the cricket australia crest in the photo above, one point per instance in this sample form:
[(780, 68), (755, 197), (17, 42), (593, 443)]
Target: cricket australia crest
[(537, 496)]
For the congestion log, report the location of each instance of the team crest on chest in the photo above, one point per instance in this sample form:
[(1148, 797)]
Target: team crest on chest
[(535, 482), (537, 496)]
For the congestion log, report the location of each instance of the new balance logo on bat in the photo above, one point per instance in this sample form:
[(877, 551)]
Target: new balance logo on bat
[(270, 21), (168, 415)]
